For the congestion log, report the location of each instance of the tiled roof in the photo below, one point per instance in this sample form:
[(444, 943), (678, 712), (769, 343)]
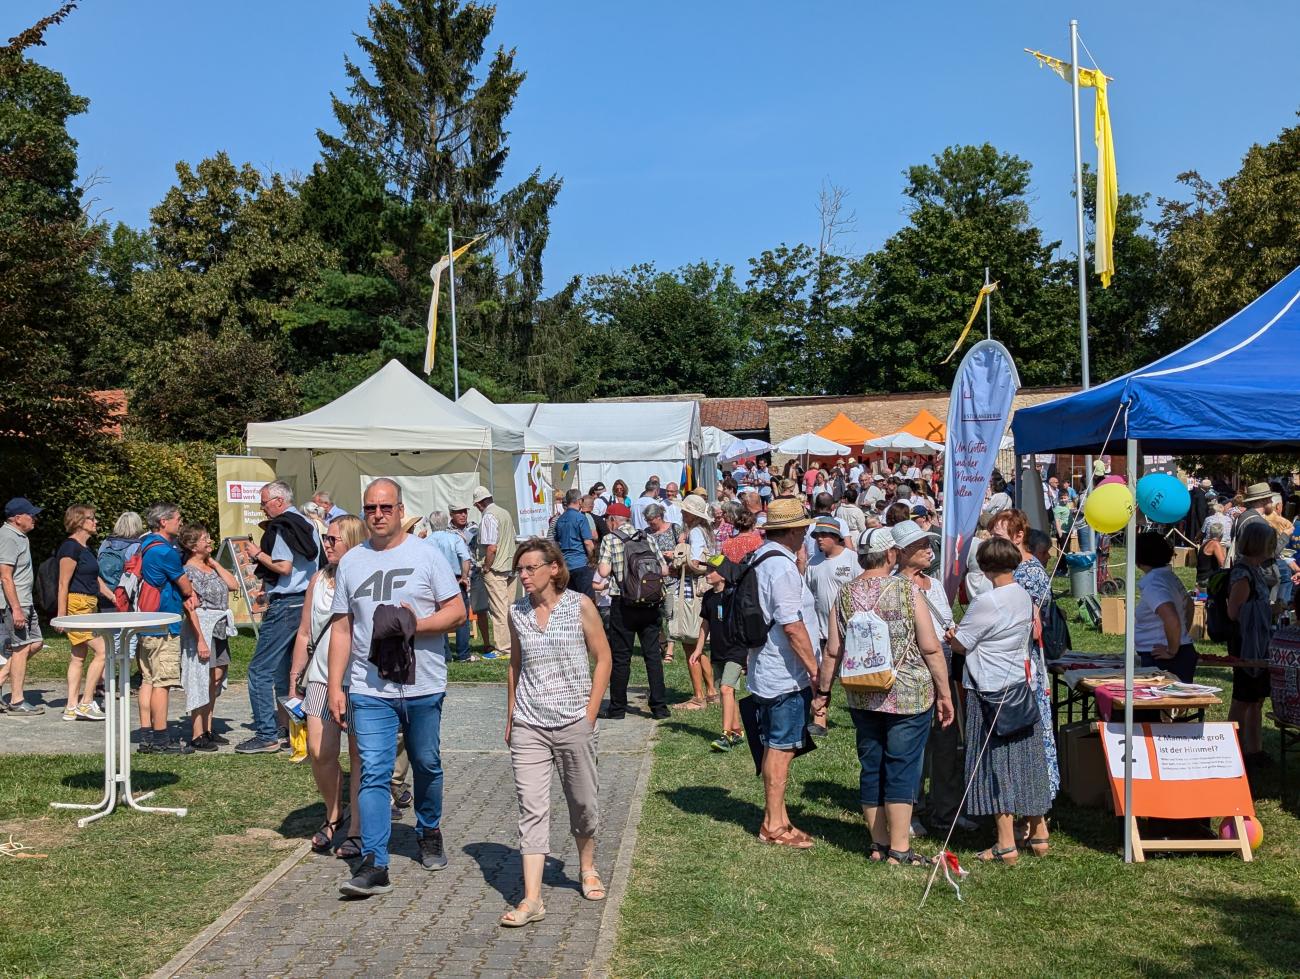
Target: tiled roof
[(734, 414), (114, 402)]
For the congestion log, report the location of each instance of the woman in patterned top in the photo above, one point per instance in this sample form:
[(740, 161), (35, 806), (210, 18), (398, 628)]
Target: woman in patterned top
[(209, 626), (553, 699), (892, 725), (1032, 577)]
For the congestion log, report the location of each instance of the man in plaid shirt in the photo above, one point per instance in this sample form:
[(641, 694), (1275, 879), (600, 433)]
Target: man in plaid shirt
[(628, 622)]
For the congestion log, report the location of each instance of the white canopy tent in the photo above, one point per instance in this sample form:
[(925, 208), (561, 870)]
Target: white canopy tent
[(905, 442), (628, 440), (552, 451), (391, 424)]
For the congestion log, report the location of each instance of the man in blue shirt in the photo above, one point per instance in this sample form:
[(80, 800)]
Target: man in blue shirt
[(453, 547), (577, 543), (164, 588), (289, 554)]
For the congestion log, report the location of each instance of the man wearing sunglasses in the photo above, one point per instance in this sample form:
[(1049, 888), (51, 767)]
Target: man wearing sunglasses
[(393, 577), (288, 555)]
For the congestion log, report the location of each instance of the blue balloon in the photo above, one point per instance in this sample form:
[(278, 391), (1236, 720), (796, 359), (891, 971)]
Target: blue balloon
[(1163, 498)]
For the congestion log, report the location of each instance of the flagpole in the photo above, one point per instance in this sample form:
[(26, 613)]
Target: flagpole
[(1085, 371), (451, 273), (988, 308)]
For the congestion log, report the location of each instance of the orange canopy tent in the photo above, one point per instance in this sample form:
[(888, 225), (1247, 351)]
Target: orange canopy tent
[(846, 431), (926, 426)]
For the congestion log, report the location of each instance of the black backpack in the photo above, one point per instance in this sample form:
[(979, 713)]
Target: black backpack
[(1056, 632), (744, 625), (1218, 626), (45, 588), (643, 576)]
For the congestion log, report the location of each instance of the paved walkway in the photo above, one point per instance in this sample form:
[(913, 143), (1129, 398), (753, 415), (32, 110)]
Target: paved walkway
[(295, 923)]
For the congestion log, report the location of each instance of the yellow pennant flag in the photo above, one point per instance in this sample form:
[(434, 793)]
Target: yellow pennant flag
[(979, 301), (435, 273), (1107, 183)]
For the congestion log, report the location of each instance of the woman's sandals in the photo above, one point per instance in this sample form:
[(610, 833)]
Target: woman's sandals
[(993, 854), (525, 913), (592, 892)]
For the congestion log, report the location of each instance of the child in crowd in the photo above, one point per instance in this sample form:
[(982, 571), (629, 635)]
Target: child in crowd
[(728, 663)]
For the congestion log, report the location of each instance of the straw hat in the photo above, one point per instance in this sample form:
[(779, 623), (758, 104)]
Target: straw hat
[(696, 507), (1258, 492), (786, 514)]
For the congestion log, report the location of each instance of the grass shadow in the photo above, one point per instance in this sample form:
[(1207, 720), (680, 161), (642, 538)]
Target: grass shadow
[(837, 794), (142, 780), (503, 870), (1244, 921), (720, 805)]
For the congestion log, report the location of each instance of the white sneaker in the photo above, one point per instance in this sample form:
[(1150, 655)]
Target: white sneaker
[(90, 711)]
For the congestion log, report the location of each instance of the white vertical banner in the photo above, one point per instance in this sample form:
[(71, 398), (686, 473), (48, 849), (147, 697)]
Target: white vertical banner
[(533, 494), (978, 410)]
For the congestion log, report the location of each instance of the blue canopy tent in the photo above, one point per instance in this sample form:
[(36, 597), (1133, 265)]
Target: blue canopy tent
[(1225, 392)]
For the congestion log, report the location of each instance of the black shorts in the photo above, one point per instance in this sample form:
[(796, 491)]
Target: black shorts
[(1251, 686)]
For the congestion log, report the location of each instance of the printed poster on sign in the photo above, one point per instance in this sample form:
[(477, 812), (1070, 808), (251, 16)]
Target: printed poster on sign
[(533, 495), (1114, 735), (1190, 752), (867, 647), (239, 487)]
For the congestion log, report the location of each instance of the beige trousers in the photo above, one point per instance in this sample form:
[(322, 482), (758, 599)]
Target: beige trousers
[(501, 592), (536, 752)]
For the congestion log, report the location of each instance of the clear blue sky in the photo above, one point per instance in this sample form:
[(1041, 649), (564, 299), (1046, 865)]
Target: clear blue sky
[(700, 130)]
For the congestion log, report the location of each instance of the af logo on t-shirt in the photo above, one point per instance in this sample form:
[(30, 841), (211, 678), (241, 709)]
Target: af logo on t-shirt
[(379, 586)]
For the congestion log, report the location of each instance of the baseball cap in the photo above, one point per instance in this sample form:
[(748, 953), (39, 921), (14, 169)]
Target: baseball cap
[(828, 525), (876, 540), (457, 505), (20, 506), (920, 510), (617, 510), (877, 478), (908, 532)]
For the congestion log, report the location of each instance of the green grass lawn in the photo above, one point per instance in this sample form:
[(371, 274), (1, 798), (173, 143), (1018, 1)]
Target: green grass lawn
[(122, 896), (706, 899)]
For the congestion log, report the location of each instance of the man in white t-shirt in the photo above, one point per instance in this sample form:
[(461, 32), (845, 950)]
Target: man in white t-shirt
[(781, 670), (395, 599), (829, 569), (649, 495), (672, 504)]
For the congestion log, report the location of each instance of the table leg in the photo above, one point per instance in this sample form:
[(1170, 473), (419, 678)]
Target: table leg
[(133, 800), (109, 798)]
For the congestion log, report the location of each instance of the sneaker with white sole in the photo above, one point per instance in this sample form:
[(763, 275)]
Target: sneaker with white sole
[(26, 707), (90, 711), (69, 713)]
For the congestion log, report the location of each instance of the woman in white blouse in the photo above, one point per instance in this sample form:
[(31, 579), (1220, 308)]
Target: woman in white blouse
[(1007, 772), (1163, 612)]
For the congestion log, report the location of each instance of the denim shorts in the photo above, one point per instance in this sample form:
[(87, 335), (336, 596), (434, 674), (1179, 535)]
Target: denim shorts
[(783, 720), (891, 748)]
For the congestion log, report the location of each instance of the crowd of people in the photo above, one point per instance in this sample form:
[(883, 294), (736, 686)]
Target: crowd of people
[(791, 582)]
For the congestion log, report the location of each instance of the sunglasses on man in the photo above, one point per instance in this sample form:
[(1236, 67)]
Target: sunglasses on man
[(370, 509)]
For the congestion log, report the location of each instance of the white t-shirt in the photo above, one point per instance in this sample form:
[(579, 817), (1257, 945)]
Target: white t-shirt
[(1157, 587), (825, 577), (774, 669), (638, 510), (699, 544), (851, 516), (854, 472), (995, 633), (599, 505), (411, 573), (672, 513)]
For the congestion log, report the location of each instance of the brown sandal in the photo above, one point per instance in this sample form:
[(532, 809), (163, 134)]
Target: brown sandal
[(695, 703), (787, 835), (531, 911), (588, 890)]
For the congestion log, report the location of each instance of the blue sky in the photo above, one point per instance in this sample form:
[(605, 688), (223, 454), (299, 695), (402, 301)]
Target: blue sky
[(698, 130)]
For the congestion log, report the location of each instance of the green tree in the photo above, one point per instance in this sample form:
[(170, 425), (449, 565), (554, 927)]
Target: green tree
[(45, 285), (230, 249), (429, 116), (1231, 241), (666, 332), (968, 209), (201, 387)]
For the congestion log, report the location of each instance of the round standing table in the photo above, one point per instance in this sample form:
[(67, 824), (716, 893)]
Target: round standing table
[(118, 629)]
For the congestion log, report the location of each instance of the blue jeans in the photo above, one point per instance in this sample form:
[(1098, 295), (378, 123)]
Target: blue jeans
[(268, 671), (375, 722), (1285, 589), (891, 748), (462, 632)]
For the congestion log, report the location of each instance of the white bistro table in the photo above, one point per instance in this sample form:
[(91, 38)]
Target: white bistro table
[(118, 629)]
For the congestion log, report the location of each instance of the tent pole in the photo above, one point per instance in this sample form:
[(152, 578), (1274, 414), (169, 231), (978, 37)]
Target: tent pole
[(455, 351), (1085, 373), (1130, 610)]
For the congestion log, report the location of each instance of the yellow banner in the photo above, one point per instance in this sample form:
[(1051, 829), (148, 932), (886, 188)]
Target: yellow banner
[(979, 301), (1107, 179)]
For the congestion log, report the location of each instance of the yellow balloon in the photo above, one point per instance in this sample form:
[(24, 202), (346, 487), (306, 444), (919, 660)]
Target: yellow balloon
[(1108, 508)]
